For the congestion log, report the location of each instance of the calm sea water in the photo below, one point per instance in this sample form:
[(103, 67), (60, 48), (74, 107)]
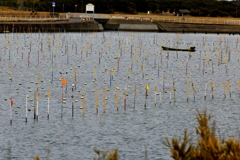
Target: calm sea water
[(138, 131)]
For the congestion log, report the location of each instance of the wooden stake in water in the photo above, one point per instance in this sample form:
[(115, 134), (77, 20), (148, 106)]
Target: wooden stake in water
[(11, 104), (205, 95), (72, 100), (94, 73), (83, 104), (155, 95), (142, 70), (188, 88), (129, 71), (229, 88), (146, 94), (110, 76), (104, 100), (49, 95), (75, 77), (194, 91), (52, 72), (116, 97), (37, 93), (135, 94), (174, 91), (212, 86), (118, 63), (170, 94), (96, 95), (125, 98), (28, 58), (160, 94), (224, 89), (26, 108), (38, 81)]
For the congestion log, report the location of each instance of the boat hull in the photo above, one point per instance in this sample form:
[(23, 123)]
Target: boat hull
[(191, 49)]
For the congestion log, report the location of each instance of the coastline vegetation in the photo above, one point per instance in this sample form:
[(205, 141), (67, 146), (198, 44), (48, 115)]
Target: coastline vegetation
[(211, 8)]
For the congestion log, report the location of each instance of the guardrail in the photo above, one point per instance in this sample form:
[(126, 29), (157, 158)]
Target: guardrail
[(31, 18)]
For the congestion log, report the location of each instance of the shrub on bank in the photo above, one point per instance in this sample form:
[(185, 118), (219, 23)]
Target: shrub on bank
[(207, 146)]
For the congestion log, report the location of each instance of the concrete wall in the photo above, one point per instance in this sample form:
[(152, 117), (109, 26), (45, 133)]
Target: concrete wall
[(45, 27), (130, 25), (199, 28)]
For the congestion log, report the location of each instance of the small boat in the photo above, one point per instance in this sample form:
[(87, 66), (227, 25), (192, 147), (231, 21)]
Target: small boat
[(190, 49)]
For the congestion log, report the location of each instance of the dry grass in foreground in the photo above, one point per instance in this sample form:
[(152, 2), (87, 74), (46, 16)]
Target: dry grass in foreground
[(207, 147)]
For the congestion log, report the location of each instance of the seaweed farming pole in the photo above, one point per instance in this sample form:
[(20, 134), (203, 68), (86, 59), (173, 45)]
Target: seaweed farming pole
[(205, 95), (72, 100), (229, 87), (37, 93), (146, 94), (194, 91), (155, 95), (170, 94), (95, 73), (174, 90), (224, 89), (28, 58), (11, 104), (142, 69), (52, 72), (49, 92), (26, 108), (212, 86), (135, 94), (125, 97), (188, 88), (104, 100), (96, 94), (160, 94), (116, 97), (75, 77)]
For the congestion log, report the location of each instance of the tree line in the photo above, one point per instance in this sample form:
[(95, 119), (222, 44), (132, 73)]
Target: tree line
[(197, 7)]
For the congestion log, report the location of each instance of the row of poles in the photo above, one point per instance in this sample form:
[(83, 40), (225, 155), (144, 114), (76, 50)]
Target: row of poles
[(226, 86)]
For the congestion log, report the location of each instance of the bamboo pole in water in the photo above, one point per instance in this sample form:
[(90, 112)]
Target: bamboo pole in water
[(155, 95), (49, 96), (125, 98), (116, 96), (37, 104), (104, 100), (194, 91), (212, 86), (26, 108), (96, 94), (229, 88), (95, 73), (135, 94), (188, 89), (224, 89)]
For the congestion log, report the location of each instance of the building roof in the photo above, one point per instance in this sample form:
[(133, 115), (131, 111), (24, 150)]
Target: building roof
[(184, 11)]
